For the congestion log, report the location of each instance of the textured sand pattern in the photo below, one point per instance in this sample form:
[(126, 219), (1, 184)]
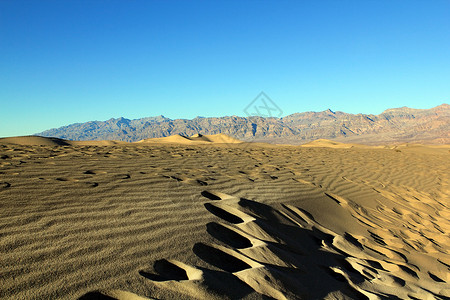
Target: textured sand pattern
[(239, 221)]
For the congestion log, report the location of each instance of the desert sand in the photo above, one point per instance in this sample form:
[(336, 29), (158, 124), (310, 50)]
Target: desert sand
[(209, 217)]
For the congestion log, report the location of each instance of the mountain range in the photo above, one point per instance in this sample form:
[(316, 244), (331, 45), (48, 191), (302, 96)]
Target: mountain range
[(396, 125)]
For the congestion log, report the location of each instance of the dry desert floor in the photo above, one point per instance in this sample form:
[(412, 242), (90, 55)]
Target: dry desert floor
[(223, 221)]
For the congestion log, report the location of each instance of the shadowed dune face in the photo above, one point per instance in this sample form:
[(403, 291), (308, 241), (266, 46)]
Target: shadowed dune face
[(206, 221)]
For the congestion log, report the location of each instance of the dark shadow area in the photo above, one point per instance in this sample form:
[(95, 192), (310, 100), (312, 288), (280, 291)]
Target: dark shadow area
[(262, 210), (332, 198), (409, 271), (200, 182), (227, 236), (226, 284), (223, 214), (377, 238), (435, 278), (375, 265), (219, 259), (5, 185), (96, 295), (352, 240), (210, 196), (400, 254), (398, 280), (166, 271)]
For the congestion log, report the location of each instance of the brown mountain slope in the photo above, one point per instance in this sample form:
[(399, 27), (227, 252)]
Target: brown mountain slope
[(397, 125)]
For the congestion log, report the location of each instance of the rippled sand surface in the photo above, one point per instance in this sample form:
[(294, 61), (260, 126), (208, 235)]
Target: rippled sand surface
[(223, 220)]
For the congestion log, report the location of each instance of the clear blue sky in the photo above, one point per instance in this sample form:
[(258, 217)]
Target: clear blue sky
[(63, 62)]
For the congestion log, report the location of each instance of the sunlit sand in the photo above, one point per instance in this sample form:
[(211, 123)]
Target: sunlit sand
[(210, 217)]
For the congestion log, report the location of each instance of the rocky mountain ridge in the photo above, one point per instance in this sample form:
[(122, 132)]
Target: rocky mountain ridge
[(431, 126)]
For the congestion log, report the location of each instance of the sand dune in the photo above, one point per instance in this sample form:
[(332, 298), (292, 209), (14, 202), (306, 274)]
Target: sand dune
[(174, 139), (34, 140), (46, 141), (195, 139), (206, 217), (327, 143), (338, 145)]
